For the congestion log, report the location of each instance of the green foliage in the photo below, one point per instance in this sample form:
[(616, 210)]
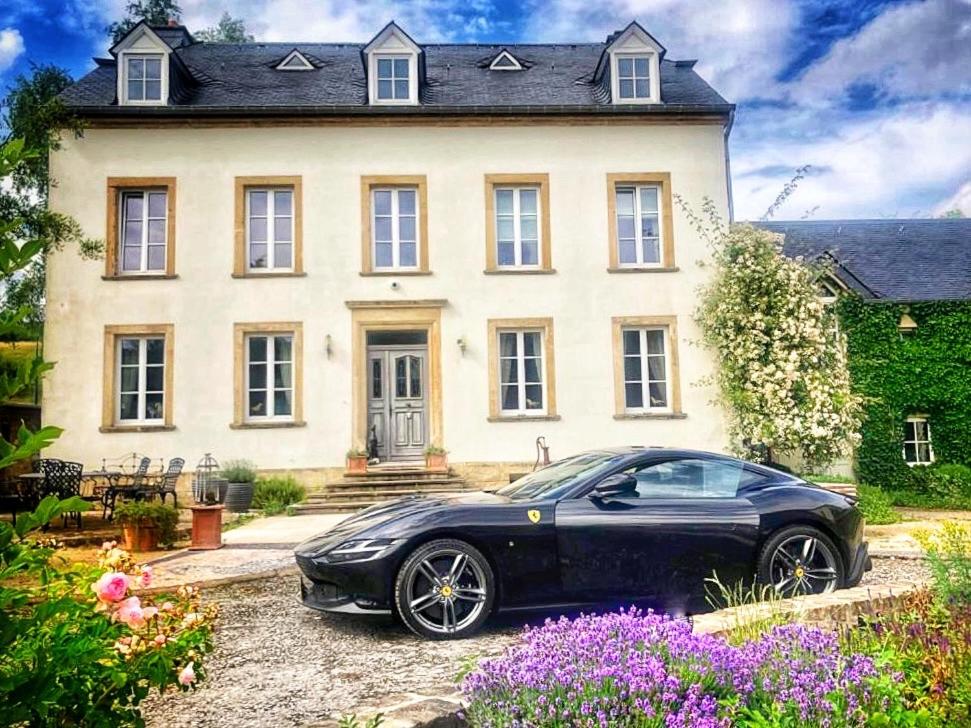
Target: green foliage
[(239, 471), (351, 721), (228, 30), (781, 366), (925, 372), (435, 450), (153, 12), (949, 556), (274, 495), (876, 506), (357, 452), (826, 478), (162, 516), (72, 657), (755, 608)]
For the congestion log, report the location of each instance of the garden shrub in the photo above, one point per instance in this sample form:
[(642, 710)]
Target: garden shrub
[(876, 506), (635, 668), (949, 557), (273, 495), (78, 645), (163, 516)]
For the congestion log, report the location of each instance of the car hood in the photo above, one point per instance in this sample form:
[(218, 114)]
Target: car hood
[(381, 514)]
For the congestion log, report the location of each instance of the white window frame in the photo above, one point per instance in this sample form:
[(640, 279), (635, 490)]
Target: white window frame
[(649, 78), (143, 268), (142, 390), (395, 229), (520, 359), (517, 226), (929, 441), (645, 380), (162, 58), (270, 364), (302, 63), (411, 59), (504, 55), (638, 228), (271, 242)]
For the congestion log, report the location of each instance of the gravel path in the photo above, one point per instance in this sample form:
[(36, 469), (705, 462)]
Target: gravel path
[(279, 664)]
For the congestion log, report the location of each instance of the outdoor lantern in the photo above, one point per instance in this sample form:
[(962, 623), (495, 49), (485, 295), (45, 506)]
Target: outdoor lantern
[(208, 490)]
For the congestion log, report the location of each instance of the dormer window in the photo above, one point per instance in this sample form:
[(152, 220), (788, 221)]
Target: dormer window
[(393, 78), (143, 61), (634, 77), (144, 77), (295, 61), (505, 61)]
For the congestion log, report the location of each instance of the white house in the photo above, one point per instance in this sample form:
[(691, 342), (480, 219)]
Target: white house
[(458, 245)]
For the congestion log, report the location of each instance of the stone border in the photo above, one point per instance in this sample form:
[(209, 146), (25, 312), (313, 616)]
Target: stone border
[(842, 607), (291, 570)]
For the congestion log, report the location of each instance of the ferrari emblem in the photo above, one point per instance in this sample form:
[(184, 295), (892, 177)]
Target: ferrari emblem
[(534, 515)]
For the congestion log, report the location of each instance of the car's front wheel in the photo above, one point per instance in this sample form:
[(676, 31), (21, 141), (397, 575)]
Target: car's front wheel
[(445, 590), (801, 560)]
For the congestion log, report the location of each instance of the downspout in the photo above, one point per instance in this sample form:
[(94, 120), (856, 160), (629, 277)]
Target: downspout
[(728, 167)]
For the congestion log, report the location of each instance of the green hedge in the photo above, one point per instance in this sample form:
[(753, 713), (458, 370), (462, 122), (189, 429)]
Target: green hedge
[(926, 372)]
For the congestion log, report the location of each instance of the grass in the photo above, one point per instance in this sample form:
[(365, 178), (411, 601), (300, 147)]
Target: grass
[(876, 505), (826, 478), (756, 608)]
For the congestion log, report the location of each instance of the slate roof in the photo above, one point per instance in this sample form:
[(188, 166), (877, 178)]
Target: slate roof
[(894, 260), (240, 77)]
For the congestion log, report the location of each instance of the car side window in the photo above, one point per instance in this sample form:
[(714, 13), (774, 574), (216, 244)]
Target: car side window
[(692, 478)]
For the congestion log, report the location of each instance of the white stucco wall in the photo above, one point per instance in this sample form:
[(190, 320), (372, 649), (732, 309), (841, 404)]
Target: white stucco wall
[(204, 301)]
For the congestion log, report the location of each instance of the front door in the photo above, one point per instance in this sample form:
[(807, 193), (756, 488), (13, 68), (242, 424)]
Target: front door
[(398, 400)]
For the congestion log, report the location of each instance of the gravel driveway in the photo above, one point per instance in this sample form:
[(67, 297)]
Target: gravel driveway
[(279, 664)]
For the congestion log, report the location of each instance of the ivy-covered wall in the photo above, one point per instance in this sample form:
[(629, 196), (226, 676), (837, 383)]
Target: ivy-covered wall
[(926, 372)]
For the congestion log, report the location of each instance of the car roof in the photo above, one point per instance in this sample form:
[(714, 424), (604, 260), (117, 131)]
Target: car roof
[(634, 451)]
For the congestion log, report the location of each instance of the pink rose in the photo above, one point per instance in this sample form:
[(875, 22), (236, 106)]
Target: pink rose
[(149, 612), (146, 578), (111, 587), (108, 545), (159, 639), (188, 675), (167, 606), (130, 612)]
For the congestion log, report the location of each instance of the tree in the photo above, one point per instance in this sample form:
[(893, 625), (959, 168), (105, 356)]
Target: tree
[(153, 12), (35, 114), (781, 363), (954, 214), (228, 30)]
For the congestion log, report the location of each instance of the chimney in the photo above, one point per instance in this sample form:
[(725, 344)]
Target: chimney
[(173, 23)]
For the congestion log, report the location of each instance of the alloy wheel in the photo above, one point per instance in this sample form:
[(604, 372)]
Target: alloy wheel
[(803, 565), (447, 591)]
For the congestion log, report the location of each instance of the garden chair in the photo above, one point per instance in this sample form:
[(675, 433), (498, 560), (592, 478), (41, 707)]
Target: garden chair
[(169, 480), (128, 485), (63, 479)]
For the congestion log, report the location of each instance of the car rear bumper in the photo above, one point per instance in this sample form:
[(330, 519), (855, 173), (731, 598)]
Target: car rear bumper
[(860, 563)]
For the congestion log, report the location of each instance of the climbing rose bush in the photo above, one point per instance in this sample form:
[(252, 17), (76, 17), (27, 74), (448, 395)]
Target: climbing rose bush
[(636, 668), (84, 645), (781, 359)]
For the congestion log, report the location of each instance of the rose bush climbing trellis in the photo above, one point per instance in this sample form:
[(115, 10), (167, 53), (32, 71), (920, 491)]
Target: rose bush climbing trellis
[(781, 365)]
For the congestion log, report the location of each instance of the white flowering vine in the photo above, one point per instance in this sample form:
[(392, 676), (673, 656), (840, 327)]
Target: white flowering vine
[(781, 359)]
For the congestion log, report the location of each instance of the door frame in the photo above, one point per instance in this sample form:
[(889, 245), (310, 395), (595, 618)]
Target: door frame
[(418, 315)]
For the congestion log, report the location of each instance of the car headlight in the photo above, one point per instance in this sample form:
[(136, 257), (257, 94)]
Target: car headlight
[(360, 549)]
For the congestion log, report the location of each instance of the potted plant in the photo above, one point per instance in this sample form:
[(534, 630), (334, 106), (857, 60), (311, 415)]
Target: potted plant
[(357, 460), (146, 524), (240, 476), (436, 457)]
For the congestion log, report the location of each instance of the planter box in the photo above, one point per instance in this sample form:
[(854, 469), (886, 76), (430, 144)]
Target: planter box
[(357, 464), (139, 537), (437, 461)]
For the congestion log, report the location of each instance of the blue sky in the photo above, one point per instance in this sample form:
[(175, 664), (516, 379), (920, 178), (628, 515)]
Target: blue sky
[(874, 94)]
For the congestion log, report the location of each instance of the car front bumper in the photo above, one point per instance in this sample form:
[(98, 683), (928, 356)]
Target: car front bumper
[(860, 563), (348, 588)]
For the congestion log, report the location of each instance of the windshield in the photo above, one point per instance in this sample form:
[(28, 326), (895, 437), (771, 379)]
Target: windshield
[(553, 480)]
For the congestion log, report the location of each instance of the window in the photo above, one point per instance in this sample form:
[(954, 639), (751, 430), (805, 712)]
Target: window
[(295, 61), (269, 229), (143, 78), (646, 367), (517, 223), (638, 225), (144, 216), (394, 78), (137, 377), (640, 222), (517, 226), (521, 374), (693, 478), (269, 226), (269, 375), (141, 379), (634, 77), (395, 231), (505, 61), (917, 441), (141, 227), (645, 370)]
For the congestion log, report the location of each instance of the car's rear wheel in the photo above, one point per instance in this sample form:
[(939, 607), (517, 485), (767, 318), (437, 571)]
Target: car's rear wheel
[(445, 590), (801, 560)]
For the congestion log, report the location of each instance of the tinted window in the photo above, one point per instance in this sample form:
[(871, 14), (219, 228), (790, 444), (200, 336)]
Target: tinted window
[(693, 478), (553, 480)]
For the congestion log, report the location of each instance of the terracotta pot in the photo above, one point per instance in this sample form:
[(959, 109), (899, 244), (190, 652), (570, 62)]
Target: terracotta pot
[(436, 461), (357, 463), (207, 527), (140, 537)]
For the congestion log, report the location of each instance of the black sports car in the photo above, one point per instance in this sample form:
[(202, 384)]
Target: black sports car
[(606, 527)]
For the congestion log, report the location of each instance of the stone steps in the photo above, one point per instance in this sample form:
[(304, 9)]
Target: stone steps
[(382, 483)]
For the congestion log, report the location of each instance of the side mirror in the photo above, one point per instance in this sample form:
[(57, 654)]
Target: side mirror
[(618, 485)]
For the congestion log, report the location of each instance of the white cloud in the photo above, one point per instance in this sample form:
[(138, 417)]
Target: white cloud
[(960, 200), (11, 46)]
